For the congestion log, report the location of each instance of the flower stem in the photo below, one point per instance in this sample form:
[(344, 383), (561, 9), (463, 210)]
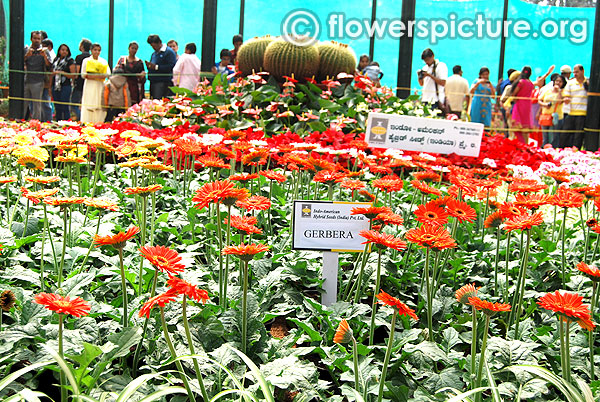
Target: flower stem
[(429, 301), (64, 248), (521, 287), (245, 307), (63, 385), (591, 333), (562, 249), (388, 354), (188, 335), (496, 260), (174, 355), (563, 358), (220, 254), (123, 289), (374, 304), (227, 243), (506, 260), (568, 349), (473, 346), (143, 242), (482, 356), (357, 384), (87, 255)]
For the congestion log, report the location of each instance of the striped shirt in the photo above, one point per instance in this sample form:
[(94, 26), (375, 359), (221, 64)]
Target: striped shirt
[(578, 95)]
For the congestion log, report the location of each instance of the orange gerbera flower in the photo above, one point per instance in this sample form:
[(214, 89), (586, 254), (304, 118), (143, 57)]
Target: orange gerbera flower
[(235, 195), (328, 177), (370, 212), (31, 162), (561, 176), (432, 214), (343, 333), (389, 218), (463, 294), (425, 188), (212, 192), (352, 184), (590, 271), (244, 224), (8, 179), (188, 146), (569, 307), (75, 306), (494, 220), (27, 194), (400, 307), (143, 191), (163, 259), (255, 203), (509, 210), (70, 159), (246, 252), (488, 308), (213, 162), (382, 240), (532, 201), (431, 236), (41, 194), (427, 175), (182, 287), (63, 202), (273, 175), (118, 240), (40, 179), (461, 211), (388, 184), (254, 158), (243, 177), (526, 186), (101, 203), (566, 198), (524, 222), (159, 300)]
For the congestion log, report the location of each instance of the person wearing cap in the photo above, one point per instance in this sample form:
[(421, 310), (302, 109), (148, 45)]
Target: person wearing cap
[(576, 97), (565, 71)]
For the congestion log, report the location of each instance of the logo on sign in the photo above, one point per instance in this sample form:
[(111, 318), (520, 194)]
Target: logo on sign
[(378, 130), (306, 210)]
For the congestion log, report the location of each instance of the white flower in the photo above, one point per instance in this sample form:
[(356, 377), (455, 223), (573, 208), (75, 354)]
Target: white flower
[(490, 162), (167, 122), (211, 139)]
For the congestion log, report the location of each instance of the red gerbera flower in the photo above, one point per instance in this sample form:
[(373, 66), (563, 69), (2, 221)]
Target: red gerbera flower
[(461, 211), (382, 240), (494, 220), (255, 203), (163, 259), (400, 307), (8, 179), (569, 307), (352, 184), (590, 271), (431, 236), (159, 300), (526, 186), (464, 293), (63, 202), (213, 162), (390, 218), (246, 252), (566, 198), (343, 333), (243, 177), (254, 158), (143, 191), (370, 212), (75, 306), (509, 210), (425, 188), (182, 287), (431, 213), (388, 184), (273, 175), (212, 192), (427, 175), (488, 308), (244, 224), (118, 240), (532, 201), (101, 203), (524, 222), (328, 177)]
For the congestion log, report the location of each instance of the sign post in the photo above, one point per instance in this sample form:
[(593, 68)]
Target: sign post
[(328, 226)]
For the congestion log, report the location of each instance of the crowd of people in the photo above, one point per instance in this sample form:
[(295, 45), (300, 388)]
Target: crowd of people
[(83, 87), (557, 108)]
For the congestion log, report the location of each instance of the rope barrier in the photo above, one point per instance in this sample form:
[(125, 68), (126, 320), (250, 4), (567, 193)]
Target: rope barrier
[(64, 103), (150, 73)]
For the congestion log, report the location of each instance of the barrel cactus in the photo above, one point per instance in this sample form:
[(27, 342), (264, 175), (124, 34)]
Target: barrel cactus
[(251, 54), (335, 58), (283, 58)]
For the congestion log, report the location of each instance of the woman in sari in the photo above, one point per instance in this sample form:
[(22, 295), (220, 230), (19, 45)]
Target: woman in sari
[(94, 71), (482, 93)]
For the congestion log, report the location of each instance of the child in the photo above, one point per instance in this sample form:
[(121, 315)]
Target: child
[(223, 66), (373, 72), (116, 94)]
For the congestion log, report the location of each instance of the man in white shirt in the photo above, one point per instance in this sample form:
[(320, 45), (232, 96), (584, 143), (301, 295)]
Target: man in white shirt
[(186, 72), (575, 94), (432, 77), (456, 89)]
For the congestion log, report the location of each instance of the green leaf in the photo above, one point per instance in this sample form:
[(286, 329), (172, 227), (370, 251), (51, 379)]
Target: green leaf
[(314, 335)]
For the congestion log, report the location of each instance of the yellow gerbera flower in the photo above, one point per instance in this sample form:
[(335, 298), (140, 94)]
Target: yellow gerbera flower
[(30, 162)]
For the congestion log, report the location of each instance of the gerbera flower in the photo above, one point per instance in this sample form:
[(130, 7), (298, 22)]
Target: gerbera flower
[(101, 203), (118, 240), (143, 191), (532, 201), (255, 203), (246, 252), (431, 213), (243, 177), (509, 210), (425, 188), (213, 162), (524, 222), (159, 300), (157, 167), (590, 271), (427, 175), (8, 179), (488, 308), (431, 236), (7, 300), (163, 259), (463, 294), (387, 184), (244, 224), (561, 176), (273, 175), (254, 158), (63, 202), (40, 179), (328, 177), (75, 306), (188, 146), (343, 333), (569, 307), (494, 220), (461, 211), (182, 287), (370, 212), (566, 198), (390, 218), (31, 162), (212, 192), (400, 307), (236, 195), (382, 240), (352, 184), (526, 186), (70, 159)]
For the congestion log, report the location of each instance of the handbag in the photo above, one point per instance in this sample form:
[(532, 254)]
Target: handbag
[(547, 120)]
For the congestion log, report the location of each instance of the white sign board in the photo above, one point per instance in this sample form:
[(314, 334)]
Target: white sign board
[(423, 135), (328, 226)]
